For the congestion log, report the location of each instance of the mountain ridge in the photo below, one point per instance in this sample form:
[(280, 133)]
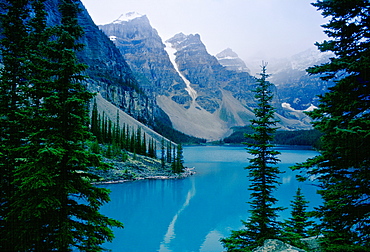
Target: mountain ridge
[(201, 97)]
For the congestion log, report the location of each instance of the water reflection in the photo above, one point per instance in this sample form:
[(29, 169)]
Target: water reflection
[(171, 228), (194, 213)]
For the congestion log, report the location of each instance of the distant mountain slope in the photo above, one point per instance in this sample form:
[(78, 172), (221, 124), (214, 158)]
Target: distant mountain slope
[(110, 110), (109, 74), (229, 59), (143, 49), (294, 84), (201, 97)]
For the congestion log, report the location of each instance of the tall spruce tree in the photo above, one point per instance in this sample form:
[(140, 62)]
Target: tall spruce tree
[(178, 160), (13, 106), (94, 125), (298, 225), (50, 175), (343, 166), (262, 223), (163, 159)]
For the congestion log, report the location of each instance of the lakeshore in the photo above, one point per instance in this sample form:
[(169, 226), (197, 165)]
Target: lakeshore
[(137, 167)]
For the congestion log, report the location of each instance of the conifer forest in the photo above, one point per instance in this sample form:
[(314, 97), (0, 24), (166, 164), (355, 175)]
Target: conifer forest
[(56, 145)]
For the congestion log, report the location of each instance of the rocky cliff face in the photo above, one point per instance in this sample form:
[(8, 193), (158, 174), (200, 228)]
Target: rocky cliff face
[(111, 75), (144, 51), (295, 86), (199, 68), (173, 83), (222, 95), (108, 72), (229, 59), (202, 97)]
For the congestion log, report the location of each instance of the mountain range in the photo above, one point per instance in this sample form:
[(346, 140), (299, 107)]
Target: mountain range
[(204, 95), (176, 85)]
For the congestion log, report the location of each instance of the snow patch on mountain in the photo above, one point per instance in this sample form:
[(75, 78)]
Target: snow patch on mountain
[(127, 17), (171, 53), (289, 107)]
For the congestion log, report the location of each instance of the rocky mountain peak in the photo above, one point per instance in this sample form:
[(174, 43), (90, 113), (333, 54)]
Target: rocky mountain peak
[(201, 97), (180, 41), (143, 50), (228, 52), (229, 59), (129, 17)]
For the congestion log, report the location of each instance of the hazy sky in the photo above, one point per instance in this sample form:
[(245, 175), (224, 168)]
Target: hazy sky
[(254, 29)]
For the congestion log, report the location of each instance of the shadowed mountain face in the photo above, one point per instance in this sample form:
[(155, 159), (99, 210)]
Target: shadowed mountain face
[(176, 82), (108, 72), (144, 51), (111, 75), (229, 59), (294, 84), (202, 97)]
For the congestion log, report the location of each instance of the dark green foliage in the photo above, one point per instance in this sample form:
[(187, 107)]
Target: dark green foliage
[(262, 223), (169, 152), (46, 168), (95, 148), (343, 166), (163, 155), (119, 139), (94, 126), (299, 137), (298, 225), (178, 162), (13, 104), (174, 135), (152, 150)]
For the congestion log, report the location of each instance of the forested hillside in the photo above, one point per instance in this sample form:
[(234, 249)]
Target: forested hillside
[(300, 137)]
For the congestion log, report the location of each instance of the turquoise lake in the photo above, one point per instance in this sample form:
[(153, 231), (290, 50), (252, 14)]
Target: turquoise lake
[(192, 214)]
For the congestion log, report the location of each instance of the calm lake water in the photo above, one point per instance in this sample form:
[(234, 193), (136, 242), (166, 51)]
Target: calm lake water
[(192, 214)]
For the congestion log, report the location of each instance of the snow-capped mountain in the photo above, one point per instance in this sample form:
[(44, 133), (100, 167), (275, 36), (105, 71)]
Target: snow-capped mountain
[(144, 51), (294, 84), (127, 17), (229, 59), (201, 97)]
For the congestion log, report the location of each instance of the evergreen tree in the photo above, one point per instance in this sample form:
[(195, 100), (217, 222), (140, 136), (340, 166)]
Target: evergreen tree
[(262, 223), (103, 128), (117, 128), (99, 135), (51, 169), (163, 159), (178, 163), (138, 141), (343, 166), (13, 101), (169, 152), (143, 145), (94, 120), (154, 149), (95, 148), (133, 142), (297, 226), (123, 137), (109, 132)]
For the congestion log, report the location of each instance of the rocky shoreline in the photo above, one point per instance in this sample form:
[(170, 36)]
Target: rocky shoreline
[(137, 167), (187, 173)]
